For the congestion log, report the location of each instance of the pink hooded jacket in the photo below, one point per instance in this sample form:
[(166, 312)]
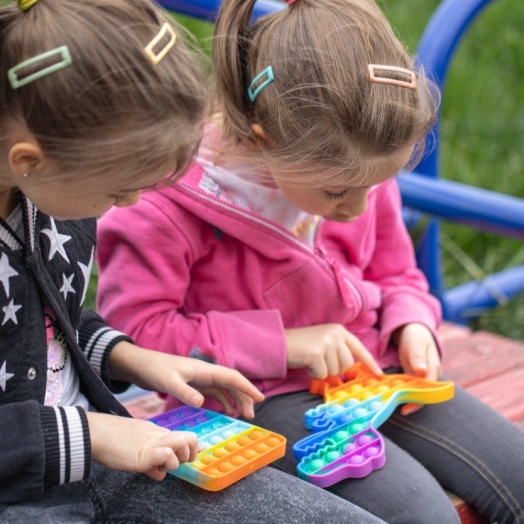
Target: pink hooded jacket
[(186, 271)]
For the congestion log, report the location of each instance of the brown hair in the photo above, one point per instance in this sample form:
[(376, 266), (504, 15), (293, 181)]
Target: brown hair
[(322, 113), (112, 110)]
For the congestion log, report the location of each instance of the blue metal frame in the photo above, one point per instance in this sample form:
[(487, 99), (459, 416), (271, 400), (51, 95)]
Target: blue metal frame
[(423, 191)]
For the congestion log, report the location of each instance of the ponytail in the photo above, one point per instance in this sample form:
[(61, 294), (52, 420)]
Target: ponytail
[(232, 55)]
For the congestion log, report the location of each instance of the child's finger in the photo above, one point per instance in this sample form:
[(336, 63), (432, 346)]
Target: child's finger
[(360, 352), (418, 357), (244, 404), (219, 395), (184, 392), (232, 379), (162, 459), (408, 409)]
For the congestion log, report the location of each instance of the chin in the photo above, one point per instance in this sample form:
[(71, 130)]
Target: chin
[(341, 219)]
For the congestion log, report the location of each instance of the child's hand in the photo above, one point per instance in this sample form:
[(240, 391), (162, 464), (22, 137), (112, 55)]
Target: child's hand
[(326, 350), (172, 374), (140, 446), (418, 355)]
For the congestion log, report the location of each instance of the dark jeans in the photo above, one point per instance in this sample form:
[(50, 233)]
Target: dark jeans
[(266, 497), (461, 445)]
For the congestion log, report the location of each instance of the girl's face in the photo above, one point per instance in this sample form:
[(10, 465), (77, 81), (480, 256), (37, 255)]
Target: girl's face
[(72, 199), (343, 204)]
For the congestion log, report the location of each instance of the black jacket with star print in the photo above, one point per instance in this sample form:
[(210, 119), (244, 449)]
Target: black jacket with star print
[(43, 446)]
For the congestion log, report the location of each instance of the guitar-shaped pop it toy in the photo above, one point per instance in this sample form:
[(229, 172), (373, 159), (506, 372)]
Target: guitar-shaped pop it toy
[(345, 442), (232, 448)]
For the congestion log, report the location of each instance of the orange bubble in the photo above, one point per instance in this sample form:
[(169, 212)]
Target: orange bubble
[(232, 446), (261, 447), (255, 435), (225, 467), (272, 442), (244, 441), (219, 453), (249, 454), (237, 460), (208, 459)]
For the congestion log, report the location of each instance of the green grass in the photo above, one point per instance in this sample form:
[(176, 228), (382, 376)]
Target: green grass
[(482, 131)]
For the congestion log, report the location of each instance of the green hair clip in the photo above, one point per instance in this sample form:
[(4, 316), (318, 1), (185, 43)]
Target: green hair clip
[(66, 60)]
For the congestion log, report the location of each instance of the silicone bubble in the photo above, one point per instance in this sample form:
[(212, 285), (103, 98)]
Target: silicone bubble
[(345, 437), (232, 449)]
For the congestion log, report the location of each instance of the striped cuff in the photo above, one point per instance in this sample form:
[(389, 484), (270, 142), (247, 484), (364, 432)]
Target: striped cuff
[(97, 351), (67, 443)]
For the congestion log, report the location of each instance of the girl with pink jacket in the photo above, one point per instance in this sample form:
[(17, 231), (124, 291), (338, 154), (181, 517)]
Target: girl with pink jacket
[(282, 253)]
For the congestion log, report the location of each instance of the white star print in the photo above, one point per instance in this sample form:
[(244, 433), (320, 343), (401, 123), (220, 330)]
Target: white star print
[(10, 312), (4, 375), (86, 271), (66, 286), (57, 241), (6, 272)]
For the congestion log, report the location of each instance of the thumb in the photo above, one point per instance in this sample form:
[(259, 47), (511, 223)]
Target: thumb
[(418, 361)]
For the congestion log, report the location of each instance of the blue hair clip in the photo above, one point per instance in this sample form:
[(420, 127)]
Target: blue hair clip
[(270, 77)]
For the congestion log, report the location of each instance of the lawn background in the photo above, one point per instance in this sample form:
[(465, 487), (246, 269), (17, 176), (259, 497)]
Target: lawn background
[(482, 133)]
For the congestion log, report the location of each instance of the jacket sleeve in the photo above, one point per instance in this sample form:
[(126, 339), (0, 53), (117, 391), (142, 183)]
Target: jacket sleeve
[(405, 294), (96, 340), (144, 275), (41, 447)]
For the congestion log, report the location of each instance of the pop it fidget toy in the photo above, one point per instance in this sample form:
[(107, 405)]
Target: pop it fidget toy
[(232, 448), (345, 442)]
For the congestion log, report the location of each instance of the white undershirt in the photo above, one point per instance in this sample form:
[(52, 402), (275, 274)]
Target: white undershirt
[(63, 382)]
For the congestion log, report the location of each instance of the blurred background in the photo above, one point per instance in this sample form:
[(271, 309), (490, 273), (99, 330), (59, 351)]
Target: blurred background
[(482, 134)]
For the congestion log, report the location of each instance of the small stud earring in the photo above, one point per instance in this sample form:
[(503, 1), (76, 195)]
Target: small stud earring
[(27, 175)]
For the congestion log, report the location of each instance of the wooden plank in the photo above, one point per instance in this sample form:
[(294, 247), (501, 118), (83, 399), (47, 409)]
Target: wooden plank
[(481, 356)]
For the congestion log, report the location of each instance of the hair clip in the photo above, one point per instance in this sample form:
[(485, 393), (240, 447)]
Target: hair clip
[(24, 5), (149, 49), (270, 77), (65, 61), (412, 83)]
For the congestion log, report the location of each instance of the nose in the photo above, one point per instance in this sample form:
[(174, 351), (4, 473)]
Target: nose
[(130, 200), (355, 208)]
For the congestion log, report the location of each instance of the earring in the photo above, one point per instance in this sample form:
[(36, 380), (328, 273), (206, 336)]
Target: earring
[(27, 175)]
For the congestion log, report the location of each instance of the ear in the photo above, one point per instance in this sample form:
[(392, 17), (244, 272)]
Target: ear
[(259, 139), (259, 133), (25, 157)]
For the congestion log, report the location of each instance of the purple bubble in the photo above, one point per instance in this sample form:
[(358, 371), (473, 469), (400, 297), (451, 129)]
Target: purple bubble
[(371, 452), (363, 440), (356, 459), (350, 447)]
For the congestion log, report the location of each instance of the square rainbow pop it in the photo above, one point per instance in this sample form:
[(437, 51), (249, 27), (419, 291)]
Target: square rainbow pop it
[(345, 442), (232, 448)]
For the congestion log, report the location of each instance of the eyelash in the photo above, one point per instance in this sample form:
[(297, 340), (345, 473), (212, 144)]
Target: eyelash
[(334, 196)]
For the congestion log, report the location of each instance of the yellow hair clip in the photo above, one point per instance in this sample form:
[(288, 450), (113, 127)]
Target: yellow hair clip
[(24, 5), (149, 49)]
